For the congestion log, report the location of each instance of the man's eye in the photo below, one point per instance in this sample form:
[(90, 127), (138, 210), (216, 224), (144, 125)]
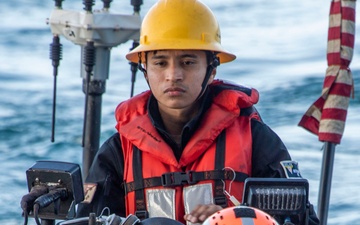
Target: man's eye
[(160, 63), (188, 63)]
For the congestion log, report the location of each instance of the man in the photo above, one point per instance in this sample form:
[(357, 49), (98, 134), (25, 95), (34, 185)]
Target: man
[(190, 140)]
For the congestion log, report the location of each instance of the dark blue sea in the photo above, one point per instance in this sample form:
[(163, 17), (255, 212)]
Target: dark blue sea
[(281, 51)]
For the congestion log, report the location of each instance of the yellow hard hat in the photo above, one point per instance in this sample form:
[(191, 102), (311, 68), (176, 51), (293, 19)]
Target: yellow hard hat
[(180, 24)]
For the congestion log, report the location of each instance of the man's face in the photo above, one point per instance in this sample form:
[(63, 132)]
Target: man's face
[(175, 77)]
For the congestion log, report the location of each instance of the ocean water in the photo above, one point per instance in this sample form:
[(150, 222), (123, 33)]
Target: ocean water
[(281, 51)]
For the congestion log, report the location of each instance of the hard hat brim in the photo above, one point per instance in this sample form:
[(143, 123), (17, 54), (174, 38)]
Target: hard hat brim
[(223, 55)]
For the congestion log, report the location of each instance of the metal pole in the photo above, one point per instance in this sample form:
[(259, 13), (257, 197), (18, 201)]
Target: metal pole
[(92, 131), (325, 182), (93, 115)]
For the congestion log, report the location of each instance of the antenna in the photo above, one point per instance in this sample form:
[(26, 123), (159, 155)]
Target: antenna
[(88, 5), (58, 3), (55, 56), (103, 31), (134, 66), (107, 3), (89, 62)]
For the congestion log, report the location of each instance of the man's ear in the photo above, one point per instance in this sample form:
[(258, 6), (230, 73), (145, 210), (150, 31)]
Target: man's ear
[(213, 73), (212, 76)]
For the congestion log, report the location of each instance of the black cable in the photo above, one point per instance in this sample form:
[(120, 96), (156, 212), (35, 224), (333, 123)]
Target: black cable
[(27, 200), (26, 215), (36, 214), (89, 62), (52, 196), (46, 199), (55, 56)]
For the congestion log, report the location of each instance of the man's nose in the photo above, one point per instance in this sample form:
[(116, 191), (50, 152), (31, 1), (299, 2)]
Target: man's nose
[(174, 72)]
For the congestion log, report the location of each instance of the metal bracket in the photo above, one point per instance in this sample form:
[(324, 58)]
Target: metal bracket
[(104, 28)]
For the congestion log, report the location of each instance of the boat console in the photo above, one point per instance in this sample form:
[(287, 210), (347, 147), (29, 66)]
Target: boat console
[(55, 188)]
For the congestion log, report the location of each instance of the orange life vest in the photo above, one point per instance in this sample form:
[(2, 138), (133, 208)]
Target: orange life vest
[(218, 153)]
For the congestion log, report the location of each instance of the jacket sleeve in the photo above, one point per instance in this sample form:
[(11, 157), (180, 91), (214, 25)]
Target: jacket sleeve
[(106, 173), (268, 152)]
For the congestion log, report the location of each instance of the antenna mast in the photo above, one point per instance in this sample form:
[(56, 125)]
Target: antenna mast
[(96, 32)]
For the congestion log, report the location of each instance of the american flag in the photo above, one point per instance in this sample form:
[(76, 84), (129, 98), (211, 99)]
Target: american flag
[(326, 116)]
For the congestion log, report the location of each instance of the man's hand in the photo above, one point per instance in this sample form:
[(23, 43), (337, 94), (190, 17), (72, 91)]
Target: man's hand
[(201, 213)]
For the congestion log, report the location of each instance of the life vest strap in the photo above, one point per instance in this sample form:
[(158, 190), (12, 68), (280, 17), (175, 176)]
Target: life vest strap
[(219, 196), (141, 211), (183, 178)]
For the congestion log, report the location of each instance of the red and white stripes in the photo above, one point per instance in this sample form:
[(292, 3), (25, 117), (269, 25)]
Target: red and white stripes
[(326, 117)]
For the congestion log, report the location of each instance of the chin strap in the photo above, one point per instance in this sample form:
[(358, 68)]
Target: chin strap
[(214, 62), (140, 67)]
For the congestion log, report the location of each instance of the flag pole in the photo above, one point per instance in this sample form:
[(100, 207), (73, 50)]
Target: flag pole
[(325, 182), (326, 117)]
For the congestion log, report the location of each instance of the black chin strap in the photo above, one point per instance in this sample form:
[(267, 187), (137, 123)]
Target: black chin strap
[(140, 67), (214, 62)]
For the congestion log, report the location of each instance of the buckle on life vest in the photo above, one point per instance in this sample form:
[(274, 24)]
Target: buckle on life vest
[(142, 214), (221, 201), (177, 178)]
